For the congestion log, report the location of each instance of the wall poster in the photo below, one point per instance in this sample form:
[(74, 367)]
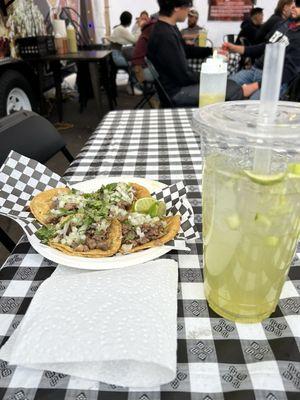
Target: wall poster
[(229, 10)]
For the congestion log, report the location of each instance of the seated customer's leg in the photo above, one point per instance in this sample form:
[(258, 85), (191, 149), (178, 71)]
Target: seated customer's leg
[(119, 59), (283, 89), (234, 91), (244, 76), (188, 96)]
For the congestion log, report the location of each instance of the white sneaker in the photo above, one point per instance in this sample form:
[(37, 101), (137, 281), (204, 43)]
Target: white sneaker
[(136, 91)]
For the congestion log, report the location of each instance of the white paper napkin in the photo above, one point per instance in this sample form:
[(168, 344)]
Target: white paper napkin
[(118, 327)]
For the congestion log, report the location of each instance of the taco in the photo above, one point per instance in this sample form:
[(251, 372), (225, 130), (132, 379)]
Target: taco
[(44, 202), (140, 231), (83, 236), (50, 206)]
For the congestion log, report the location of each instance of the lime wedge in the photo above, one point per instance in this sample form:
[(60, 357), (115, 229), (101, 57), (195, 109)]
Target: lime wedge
[(161, 211), (157, 209), (294, 169), (265, 179), (153, 210), (144, 204)]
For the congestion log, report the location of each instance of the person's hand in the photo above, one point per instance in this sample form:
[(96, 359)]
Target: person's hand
[(222, 52), (143, 21), (233, 48)]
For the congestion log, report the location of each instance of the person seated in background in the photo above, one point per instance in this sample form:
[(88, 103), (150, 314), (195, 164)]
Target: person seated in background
[(282, 12), (140, 22), (191, 33), (250, 27), (168, 52), (120, 37), (140, 51), (287, 33), (121, 34)]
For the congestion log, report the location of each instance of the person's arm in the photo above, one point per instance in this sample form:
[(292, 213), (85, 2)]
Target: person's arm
[(197, 52), (248, 51), (255, 51), (129, 36)]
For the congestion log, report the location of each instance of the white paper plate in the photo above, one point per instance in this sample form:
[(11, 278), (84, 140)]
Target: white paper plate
[(119, 261)]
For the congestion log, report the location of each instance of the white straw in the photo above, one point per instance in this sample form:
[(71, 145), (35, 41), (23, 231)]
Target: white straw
[(270, 91)]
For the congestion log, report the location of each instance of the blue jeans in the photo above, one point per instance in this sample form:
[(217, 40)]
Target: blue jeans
[(121, 62), (253, 75), (119, 59)]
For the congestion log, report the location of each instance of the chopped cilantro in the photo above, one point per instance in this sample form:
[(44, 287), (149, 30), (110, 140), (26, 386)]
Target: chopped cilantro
[(46, 233)]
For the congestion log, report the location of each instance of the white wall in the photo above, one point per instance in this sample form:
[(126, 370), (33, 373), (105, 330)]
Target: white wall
[(216, 30)]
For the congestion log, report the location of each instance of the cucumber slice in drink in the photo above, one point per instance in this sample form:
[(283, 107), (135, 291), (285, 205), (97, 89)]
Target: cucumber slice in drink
[(233, 221)]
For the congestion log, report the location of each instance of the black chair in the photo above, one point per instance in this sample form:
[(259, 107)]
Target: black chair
[(33, 136), (230, 38), (165, 100), (149, 91)]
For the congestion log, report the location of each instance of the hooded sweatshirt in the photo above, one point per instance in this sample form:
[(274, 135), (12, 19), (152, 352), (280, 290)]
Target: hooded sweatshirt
[(268, 27), (168, 53), (248, 31), (288, 33), (140, 50)]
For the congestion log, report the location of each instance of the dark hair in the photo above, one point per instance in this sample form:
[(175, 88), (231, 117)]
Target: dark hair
[(126, 18), (166, 7), (280, 6), (255, 11), (144, 12)]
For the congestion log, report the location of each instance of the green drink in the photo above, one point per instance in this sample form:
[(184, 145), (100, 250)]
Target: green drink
[(251, 225), (251, 222)]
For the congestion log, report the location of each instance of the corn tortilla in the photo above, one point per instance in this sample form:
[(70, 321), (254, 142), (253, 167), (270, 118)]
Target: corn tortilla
[(40, 205), (114, 240), (173, 226)]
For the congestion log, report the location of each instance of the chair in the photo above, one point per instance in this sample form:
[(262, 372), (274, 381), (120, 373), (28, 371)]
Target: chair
[(230, 38), (165, 100), (33, 136), (149, 91)]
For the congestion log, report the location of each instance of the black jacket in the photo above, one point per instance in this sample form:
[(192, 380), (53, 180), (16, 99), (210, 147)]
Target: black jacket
[(268, 27), (287, 33), (248, 31), (168, 53)]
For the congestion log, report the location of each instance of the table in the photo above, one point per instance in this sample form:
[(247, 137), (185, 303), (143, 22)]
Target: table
[(217, 359), (93, 58), (234, 60)]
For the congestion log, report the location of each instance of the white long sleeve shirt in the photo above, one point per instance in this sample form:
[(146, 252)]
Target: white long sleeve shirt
[(123, 36)]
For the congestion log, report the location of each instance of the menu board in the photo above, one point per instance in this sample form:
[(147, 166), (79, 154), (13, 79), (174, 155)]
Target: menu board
[(229, 10)]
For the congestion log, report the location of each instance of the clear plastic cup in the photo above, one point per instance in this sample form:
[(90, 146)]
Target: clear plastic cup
[(251, 222)]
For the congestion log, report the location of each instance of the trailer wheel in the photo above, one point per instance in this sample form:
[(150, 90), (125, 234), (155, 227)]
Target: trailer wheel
[(16, 94)]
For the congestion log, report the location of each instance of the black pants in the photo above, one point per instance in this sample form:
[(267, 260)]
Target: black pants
[(188, 96)]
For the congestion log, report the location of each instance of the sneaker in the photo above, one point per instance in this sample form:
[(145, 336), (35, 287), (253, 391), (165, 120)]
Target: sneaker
[(136, 91)]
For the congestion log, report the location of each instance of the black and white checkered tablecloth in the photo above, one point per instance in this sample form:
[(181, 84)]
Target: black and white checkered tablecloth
[(233, 63), (217, 359)]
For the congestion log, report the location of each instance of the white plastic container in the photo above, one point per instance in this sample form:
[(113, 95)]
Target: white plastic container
[(213, 82)]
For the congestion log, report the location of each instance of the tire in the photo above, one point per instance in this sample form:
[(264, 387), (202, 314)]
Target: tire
[(14, 86)]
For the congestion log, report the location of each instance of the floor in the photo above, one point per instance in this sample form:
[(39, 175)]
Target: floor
[(82, 126)]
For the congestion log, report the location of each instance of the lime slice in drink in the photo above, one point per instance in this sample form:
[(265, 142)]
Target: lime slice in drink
[(144, 204), (265, 179), (294, 169), (157, 209)]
